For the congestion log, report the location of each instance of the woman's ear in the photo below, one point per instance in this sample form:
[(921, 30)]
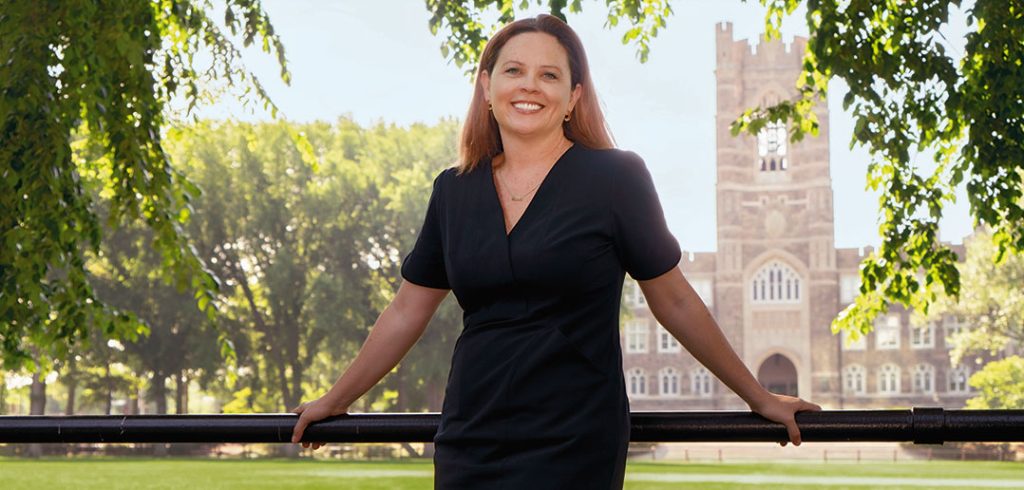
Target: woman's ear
[(577, 92), (485, 82)]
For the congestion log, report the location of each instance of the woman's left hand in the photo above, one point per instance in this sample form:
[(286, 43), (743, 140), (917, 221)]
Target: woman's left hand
[(781, 409)]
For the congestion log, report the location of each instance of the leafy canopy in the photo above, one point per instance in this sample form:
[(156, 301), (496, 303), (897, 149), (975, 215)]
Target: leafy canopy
[(1000, 385), (105, 71), (909, 97), (465, 31), (991, 307), (991, 301)]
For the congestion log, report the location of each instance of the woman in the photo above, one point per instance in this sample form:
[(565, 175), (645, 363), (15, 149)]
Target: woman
[(534, 231)]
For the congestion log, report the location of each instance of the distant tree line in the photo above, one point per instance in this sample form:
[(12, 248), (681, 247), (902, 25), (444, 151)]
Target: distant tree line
[(307, 255)]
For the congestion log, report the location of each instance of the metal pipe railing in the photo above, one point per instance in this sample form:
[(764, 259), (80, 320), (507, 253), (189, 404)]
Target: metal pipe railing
[(920, 425)]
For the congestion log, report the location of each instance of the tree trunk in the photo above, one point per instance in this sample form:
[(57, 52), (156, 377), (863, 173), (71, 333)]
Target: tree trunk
[(37, 395), (282, 382), (71, 382), (159, 392), (37, 406), (72, 390), (400, 378), (110, 391), (3, 396), (411, 450), (181, 393), (133, 402), (296, 388)]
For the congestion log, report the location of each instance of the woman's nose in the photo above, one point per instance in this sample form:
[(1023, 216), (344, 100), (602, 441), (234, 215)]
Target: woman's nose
[(528, 84)]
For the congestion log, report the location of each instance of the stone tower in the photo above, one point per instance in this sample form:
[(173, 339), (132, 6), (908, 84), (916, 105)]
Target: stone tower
[(777, 281), (776, 276)]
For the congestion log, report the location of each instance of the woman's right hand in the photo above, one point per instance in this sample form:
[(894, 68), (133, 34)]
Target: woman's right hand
[(310, 412)]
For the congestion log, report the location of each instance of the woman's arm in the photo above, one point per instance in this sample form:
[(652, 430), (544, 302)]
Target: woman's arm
[(680, 310), (397, 328)]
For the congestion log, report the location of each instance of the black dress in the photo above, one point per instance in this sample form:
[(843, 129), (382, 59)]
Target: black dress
[(535, 396)]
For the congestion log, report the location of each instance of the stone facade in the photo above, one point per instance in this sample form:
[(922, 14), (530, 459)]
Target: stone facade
[(777, 280)]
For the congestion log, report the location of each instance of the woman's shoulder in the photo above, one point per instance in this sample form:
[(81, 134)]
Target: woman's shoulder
[(612, 161), (446, 175)]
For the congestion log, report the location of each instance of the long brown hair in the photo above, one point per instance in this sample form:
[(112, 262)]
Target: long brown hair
[(480, 137)]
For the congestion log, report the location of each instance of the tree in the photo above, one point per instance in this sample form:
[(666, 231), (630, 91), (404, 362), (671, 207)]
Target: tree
[(991, 302), (909, 96), (465, 34), (111, 69), (281, 235), (310, 256), (1000, 385), (179, 340), (405, 163)]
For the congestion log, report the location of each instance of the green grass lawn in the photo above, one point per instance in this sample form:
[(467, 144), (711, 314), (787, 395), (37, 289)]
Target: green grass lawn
[(199, 474)]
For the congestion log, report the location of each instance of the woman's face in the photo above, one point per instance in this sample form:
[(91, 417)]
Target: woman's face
[(530, 89)]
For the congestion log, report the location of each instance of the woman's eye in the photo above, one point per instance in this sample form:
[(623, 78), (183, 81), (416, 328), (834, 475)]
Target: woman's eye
[(551, 76), (512, 70)]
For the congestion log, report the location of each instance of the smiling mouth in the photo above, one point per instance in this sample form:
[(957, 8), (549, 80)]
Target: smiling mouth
[(527, 106)]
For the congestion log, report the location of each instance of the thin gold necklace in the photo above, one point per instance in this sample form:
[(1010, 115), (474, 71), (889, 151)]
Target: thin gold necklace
[(532, 189), (521, 196)]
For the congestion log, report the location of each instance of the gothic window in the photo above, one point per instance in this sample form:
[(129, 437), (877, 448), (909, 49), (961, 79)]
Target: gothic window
[(853, 379), (957, 378), (701, 382), (954, 326), (776, 282), (669, 381), (923, 337), (637, 382), (636, 336), (860, 344), (889, 379), (666, 342), (849, 286), (633, 295), (924, 378), (887, 332), (771, 147)]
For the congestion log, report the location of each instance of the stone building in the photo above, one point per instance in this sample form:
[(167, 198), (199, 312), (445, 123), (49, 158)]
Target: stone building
[(777, 279)]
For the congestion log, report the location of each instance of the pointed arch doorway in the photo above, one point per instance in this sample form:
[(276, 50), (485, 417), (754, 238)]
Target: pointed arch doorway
[(778, 375)]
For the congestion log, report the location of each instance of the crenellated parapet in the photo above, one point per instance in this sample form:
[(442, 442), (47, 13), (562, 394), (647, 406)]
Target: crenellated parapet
[(735, 54)]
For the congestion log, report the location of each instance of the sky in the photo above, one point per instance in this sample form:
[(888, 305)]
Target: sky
[(376, 61)]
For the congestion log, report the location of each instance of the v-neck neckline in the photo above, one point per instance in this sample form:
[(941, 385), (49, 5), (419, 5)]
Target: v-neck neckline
[(529, 205)]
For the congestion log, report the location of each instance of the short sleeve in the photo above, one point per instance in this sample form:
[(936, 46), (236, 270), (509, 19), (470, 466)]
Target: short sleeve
[(643, 243), (424, 266)]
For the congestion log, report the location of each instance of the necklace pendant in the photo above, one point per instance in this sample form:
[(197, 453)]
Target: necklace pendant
[(514, 198)]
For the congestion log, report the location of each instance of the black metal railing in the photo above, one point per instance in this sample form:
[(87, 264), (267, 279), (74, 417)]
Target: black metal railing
[(920, 425)]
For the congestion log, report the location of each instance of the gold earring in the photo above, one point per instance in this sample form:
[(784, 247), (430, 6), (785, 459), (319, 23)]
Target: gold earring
[(489, 108), (568, 116)]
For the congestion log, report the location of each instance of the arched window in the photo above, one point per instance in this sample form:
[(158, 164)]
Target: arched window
[(889, 379), (666, 342), (923, 337), (636, 336), (669, 381), (776, 282), (887, 331), (637, 382), (924, 378), (771, 147), (701, 382), (957, 378), (853, 379)]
